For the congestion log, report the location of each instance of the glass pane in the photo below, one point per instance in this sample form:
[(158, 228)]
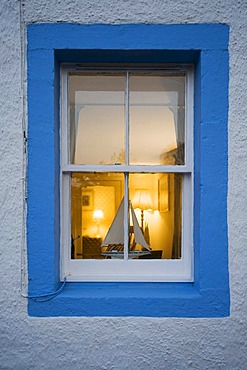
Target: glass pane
[(95, 199), (97, 216), (97, 118), (157, 119), (157, 203)]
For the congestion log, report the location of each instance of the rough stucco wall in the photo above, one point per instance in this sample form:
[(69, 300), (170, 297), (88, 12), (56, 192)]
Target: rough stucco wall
[(118, 343)]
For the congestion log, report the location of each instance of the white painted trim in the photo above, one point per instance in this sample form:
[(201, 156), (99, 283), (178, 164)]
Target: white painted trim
[(131, 270), (189, 117), (127, 168), (64, 132), (126, 216), (131, 67), (126, 175)]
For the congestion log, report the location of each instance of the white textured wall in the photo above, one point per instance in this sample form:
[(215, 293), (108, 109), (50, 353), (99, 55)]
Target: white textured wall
[(118, 343)]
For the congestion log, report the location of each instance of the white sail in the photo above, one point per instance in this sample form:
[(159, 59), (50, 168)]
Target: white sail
[(115, 233), (139, 238)]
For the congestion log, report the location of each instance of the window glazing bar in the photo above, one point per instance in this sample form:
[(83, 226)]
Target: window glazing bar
[(127, 168), (127, 120), (126, 216)]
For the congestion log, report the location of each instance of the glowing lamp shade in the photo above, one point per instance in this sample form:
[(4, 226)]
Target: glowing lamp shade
[(142, 200)]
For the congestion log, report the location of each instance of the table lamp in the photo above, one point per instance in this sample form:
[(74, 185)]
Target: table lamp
[(142, 200)]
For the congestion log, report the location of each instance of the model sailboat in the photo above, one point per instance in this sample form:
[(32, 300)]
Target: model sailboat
[(114, 240)]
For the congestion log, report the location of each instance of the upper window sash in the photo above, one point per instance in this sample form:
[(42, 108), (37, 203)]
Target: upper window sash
[(66, 164)]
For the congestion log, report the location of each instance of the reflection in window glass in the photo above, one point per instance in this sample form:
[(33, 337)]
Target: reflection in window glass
[(156, 114), (97, 119), (97, 216)]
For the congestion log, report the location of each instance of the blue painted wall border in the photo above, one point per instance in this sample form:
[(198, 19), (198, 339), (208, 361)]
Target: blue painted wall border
[(204, 45)]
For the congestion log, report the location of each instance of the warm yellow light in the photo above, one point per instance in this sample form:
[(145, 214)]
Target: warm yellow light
[(98, 215), (142, 200)]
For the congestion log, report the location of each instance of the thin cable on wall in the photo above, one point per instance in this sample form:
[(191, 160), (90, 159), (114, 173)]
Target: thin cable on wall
[(23, 93), (24, 152), (46, 296)]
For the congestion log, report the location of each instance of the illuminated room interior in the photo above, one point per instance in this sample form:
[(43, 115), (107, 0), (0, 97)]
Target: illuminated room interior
[(95, 201)]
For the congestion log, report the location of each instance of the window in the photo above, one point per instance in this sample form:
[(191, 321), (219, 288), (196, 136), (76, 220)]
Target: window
[(50, 46), (127, 166)]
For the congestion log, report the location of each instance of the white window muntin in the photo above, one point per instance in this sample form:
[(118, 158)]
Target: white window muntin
[(129, 270)]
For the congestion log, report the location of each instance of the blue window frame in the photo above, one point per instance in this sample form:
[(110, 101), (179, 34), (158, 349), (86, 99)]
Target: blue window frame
[(205, 46)]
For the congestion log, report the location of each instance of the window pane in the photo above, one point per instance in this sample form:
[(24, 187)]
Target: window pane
[(95, 199), (97, 216), (157, 203), (97, 118), (157, 123)]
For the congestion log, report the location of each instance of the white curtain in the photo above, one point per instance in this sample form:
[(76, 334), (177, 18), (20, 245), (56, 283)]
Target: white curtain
[(179, 122), (74, 122)]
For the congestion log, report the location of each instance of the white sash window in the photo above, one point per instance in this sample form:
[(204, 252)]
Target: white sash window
[(127, 174)]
